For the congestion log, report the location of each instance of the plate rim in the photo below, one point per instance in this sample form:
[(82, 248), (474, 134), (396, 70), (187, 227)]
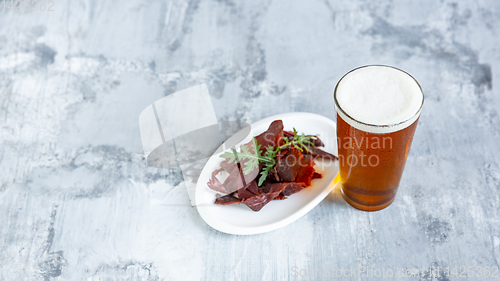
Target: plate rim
[(241, 230)]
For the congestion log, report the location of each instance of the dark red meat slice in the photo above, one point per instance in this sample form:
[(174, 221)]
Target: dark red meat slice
[(288, 165), (258, 201), (228, 167), (288, 188), (317, 142), (272, 137), (253, 187), (273, 175), (321, 154), (237, 179), (227, 200), (248, 191), (306, 170), (293, 187)]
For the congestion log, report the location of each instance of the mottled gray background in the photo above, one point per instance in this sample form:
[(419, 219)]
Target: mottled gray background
[(77, 201)]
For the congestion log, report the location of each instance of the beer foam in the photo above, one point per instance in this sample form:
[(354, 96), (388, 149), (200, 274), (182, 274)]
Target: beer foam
[(378, 99)]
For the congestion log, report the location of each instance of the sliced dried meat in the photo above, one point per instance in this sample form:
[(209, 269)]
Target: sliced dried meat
[(227, 200), (228, 167), (237, 179), (317, 142), (293, 187), (258, 201), (254, 188), (273, 175), (306, 170), (248, 191), (293, 172), (288, 188), (272, 137), (317, 152), (288, 165)]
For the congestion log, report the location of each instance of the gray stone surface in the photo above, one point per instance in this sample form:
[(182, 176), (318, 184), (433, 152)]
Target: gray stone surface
[(77, 201)]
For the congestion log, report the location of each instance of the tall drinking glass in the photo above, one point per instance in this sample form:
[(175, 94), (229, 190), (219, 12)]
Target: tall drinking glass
[(378, 108)]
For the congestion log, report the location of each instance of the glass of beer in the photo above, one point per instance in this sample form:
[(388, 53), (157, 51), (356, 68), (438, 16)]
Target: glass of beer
[(378, 108)]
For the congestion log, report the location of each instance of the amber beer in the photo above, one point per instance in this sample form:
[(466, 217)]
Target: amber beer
[(378, 108)]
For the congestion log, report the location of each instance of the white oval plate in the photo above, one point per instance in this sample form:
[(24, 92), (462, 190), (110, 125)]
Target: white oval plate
[(238, 218)]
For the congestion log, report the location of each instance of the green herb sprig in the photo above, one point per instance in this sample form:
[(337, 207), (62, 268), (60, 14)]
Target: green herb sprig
[(271, 155), (268, 166)]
